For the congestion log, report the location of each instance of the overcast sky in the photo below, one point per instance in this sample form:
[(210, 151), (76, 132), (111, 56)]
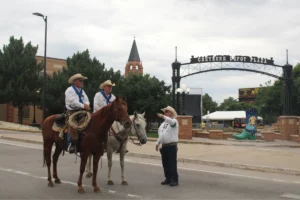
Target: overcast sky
[(198, 27)]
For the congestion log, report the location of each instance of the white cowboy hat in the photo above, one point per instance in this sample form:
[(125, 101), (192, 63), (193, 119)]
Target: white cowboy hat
[(76, 76), (172, 110), (108, 82)]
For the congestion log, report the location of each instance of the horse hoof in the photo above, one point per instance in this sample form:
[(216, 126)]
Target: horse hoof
[(124, 183), (81, 191), (57, 181), (50, 184), (89, 175), (97, 190), (110, 183)]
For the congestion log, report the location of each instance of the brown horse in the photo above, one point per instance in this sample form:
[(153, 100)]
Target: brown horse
[(94, 135)]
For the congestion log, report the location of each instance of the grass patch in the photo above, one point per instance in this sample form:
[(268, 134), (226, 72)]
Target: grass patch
[(152, 134)]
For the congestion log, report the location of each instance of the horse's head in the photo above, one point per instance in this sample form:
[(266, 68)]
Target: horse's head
[(139, 127), (119, 110)]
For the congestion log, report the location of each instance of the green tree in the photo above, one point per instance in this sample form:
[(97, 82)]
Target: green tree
[(145, 94), (19, 77), (208, 104), (296, 90), (230, 104), (84, 64), (269, 101)]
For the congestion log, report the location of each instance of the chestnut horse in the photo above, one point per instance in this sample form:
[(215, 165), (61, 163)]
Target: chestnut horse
[(94, 135)]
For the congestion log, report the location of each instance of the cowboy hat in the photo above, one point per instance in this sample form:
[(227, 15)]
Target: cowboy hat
[(170, 109), (108, 82), (76, 76)]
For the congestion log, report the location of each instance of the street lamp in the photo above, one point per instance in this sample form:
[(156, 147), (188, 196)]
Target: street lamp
[(45, 51), (183, 89)]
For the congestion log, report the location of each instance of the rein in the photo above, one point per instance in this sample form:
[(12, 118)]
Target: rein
[(119, 139)]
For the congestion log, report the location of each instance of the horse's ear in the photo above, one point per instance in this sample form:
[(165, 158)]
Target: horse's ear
[(143, 114), (135, 114)]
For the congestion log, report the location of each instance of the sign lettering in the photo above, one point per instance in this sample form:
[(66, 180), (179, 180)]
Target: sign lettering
[(227, 58)]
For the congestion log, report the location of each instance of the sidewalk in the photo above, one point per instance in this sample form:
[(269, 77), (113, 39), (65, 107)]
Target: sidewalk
[(260, 156)]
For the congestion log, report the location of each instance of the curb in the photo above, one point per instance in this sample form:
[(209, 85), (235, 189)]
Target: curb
[(238, 143), (195, 161), (28, 131)]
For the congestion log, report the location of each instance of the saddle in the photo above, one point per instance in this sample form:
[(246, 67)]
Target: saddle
[(78, 121)]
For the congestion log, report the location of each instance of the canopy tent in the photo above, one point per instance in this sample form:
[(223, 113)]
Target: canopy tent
[(226, 115)]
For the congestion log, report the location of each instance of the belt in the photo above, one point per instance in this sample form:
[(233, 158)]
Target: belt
[(170, 144)]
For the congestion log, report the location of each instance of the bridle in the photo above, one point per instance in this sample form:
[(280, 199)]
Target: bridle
[(137, 135), (118, 138)]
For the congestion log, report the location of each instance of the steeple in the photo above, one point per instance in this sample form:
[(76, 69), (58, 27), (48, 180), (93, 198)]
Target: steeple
[(134, 64), (134, 54)]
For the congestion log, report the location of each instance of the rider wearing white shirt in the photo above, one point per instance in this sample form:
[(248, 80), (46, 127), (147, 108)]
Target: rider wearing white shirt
[(168, 138), (103, 98), (75, 99)]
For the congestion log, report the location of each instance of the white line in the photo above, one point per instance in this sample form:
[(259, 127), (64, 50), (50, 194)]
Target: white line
[(222, 173), (23, 173), (291, 196), (64, 181), (19, 145), (134, 196), (189, 169)]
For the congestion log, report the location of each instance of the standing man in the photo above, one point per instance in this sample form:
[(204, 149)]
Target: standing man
[(168, 138), (103, 98), (75, 99)]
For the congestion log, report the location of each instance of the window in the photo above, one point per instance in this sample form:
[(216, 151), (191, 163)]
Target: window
[(26, 112)]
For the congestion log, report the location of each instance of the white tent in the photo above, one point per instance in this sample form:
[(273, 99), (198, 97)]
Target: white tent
[(226, 115)]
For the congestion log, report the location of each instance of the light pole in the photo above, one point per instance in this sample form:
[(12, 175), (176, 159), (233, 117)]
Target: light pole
[(183, 89), (45, 52)]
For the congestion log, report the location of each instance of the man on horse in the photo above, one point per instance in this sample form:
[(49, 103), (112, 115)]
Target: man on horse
[(75, 99), (104, 97)]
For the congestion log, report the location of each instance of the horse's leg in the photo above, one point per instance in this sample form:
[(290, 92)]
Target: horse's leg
[(84, 157), (109, 161), (96, 158), (88, 170), (58, 150), (47, 153), (122, 163)]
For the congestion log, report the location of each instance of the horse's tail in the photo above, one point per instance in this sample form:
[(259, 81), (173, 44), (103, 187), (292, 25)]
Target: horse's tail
[(44, 159)]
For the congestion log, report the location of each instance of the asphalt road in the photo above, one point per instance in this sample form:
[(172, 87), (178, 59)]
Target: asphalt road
[(23, 177)]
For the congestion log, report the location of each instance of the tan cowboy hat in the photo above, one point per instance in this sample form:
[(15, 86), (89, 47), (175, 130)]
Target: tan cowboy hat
[(172, 110), (76, 76), (108, 82)]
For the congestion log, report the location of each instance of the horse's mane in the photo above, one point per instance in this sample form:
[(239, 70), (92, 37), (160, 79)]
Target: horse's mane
[(101, 111)]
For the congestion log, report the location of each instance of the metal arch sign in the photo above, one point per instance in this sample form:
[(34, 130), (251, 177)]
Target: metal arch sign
[(227, 58)]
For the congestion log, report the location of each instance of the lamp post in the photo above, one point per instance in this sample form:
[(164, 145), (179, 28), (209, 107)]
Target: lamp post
[(34, 120), (183, 89), (45, 52)]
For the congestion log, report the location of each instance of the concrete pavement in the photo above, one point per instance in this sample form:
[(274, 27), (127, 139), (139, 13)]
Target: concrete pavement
[(258, 158), (23, 177)]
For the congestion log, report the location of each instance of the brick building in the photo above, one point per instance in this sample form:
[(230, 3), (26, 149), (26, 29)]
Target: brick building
[(10, 113)]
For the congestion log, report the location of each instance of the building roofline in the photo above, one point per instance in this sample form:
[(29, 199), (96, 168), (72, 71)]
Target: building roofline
[(52, 58)]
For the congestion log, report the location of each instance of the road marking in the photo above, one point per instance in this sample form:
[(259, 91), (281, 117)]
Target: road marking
[(291, 196), (182, 168), (67, 182)]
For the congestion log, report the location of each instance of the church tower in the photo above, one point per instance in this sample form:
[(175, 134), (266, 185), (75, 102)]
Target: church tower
[(134, 64)]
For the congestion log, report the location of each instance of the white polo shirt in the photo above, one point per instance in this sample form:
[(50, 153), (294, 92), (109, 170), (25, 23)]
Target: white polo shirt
[(168, 131)]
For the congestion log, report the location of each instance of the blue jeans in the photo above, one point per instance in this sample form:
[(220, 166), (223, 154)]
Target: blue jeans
[(69, 139)]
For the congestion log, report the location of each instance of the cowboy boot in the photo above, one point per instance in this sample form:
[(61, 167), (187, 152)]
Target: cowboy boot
[(72, 147)]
